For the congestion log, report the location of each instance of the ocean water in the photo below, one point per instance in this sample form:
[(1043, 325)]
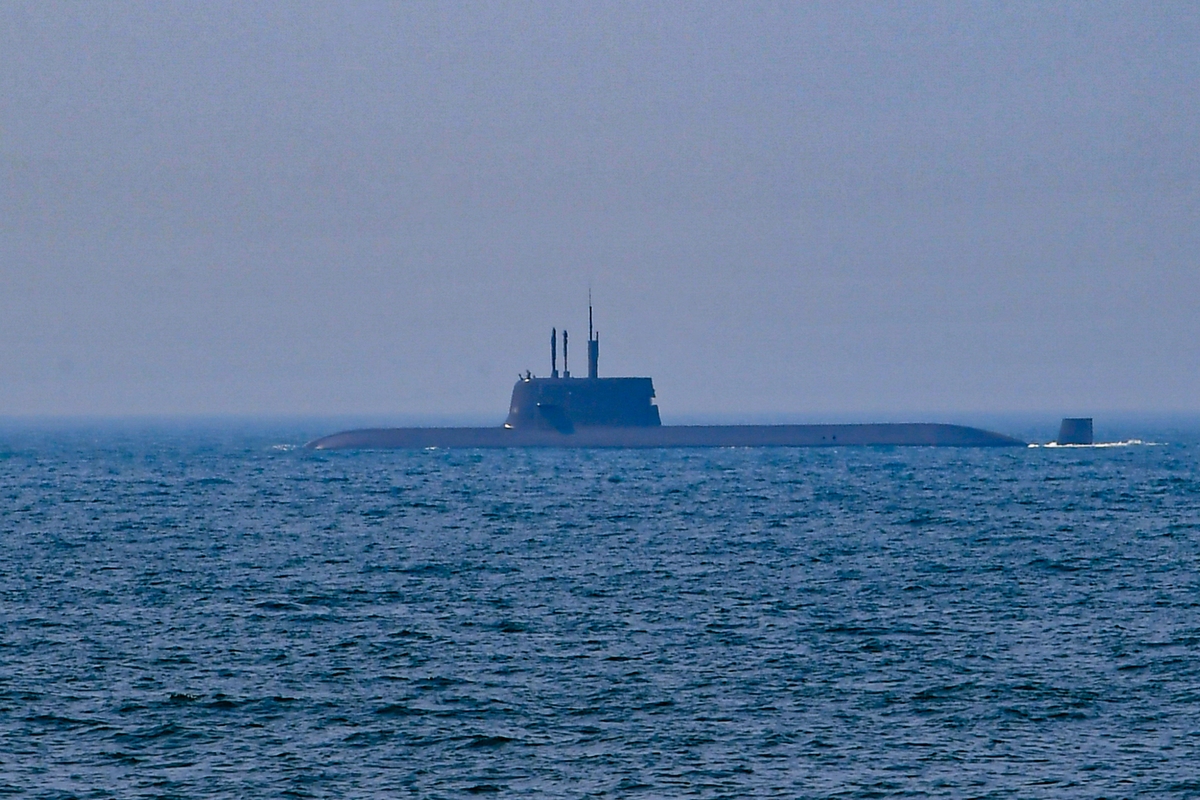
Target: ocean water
[(208, 613)]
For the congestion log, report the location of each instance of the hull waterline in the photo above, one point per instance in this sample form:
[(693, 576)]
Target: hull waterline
[(882, 434)]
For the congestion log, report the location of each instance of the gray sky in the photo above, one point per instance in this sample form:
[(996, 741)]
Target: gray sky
[(784, 209)]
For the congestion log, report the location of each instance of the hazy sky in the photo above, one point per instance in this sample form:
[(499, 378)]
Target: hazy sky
[(780, 208)]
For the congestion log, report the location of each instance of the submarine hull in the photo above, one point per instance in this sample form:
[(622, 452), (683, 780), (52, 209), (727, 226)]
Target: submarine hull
[(881, 434)]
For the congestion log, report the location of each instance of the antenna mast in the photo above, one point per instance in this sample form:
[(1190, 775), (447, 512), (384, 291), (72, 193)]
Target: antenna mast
[(593, 344)]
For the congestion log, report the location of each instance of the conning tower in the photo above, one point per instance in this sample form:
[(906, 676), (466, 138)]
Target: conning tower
[(565, 403), (1075, 430)]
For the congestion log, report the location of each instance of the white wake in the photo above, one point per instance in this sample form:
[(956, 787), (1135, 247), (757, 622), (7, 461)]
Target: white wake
[(1098, 445)]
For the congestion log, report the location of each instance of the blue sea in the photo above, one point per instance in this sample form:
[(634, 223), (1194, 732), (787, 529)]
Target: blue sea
[(213, 612)]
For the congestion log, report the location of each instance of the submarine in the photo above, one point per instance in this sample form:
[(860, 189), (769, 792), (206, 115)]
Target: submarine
[(594, 412)]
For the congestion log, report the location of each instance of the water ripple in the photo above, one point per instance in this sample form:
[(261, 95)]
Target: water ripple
[(203, 616)]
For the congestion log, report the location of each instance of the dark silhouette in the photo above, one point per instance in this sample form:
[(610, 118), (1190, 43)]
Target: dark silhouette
[(620, 412)]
